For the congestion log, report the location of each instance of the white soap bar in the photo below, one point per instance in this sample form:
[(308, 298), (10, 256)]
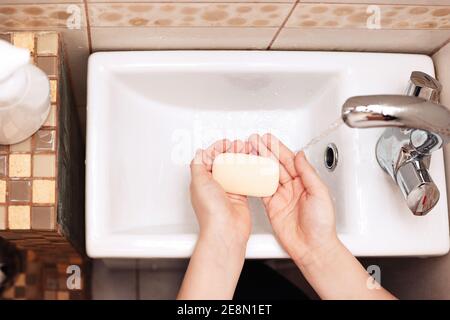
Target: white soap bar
[(246, 174)]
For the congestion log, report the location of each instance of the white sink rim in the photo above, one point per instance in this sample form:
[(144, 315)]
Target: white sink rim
[(102, 243)]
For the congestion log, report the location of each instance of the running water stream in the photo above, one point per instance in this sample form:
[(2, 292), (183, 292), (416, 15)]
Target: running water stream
[(331, 128)]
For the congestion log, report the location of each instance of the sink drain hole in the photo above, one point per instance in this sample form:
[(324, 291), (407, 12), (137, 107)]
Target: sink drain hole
[(331, 157)]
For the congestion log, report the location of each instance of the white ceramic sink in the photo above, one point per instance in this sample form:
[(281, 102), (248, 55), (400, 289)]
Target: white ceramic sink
[(149, 111)]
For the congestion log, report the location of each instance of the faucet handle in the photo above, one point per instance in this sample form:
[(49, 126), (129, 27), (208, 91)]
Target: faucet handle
[(420, 192), (424, 86)]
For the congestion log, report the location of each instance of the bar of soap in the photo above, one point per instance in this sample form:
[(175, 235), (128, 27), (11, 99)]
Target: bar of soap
[(246, 174)]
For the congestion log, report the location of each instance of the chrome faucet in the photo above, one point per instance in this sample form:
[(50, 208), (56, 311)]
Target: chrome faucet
[(417, 126)]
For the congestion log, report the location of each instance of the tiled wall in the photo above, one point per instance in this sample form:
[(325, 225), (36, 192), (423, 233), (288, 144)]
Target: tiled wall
[(420, 26)]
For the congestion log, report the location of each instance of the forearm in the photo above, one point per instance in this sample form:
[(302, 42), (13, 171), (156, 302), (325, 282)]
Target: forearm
[(213, 270), (335, 273)]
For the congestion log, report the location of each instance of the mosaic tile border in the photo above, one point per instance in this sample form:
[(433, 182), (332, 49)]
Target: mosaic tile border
[(28, 170), (253, 14), (367, 16)]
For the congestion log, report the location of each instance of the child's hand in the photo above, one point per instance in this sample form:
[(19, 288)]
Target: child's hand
[(301, 211), (223, 217)]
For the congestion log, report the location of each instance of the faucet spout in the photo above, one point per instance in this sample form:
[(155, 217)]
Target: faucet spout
[(429, 121)]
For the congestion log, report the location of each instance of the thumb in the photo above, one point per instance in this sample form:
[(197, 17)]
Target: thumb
[(198, 166), (308, 175)]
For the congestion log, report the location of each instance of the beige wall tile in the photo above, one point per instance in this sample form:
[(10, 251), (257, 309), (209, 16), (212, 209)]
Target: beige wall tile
[(20, 165), (2, 191), (188, 15), (19, 217), (47, 43), (3, 217), (409, 41), (24, 40), (307, 15), (43, 191), (181, 38), (51, 119), (53, 91)]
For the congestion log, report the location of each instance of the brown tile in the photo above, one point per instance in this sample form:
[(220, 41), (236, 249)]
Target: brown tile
[(19, 165), (32, 292), (4, 149), (45, 140), (49, 295), (20, 280), (62, 295), (2, 217), (62, 283), (5, 36), (19, 191), (47, 43), (19, 293), (2, 191), (43, 191), (3, 166), (49, 65), (42, 218), (24, 146), (8, 293), (19, 217), (44, 165), (75, 259), (62, 268)]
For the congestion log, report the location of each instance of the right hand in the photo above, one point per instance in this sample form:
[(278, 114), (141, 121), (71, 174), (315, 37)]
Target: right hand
[(301, 211)]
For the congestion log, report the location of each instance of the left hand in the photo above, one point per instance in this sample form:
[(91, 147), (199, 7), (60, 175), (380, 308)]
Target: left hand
[(223, 217), (225, 226)]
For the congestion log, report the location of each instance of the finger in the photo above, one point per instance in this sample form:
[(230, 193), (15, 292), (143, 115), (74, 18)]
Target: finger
[(283, 153), (218, 147), (214, 150), (308, 175), (236, 146), (198, 166), (252, 150), (263, 151), (247, 148)]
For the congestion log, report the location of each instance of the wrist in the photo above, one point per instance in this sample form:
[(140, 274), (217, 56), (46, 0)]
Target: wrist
[(222, 247), (319, 256)]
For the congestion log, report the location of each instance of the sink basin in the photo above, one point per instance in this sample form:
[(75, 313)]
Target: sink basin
[(149, 111)]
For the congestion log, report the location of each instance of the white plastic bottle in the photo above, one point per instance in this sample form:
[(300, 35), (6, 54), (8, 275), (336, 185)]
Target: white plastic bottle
[(24, 95)]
